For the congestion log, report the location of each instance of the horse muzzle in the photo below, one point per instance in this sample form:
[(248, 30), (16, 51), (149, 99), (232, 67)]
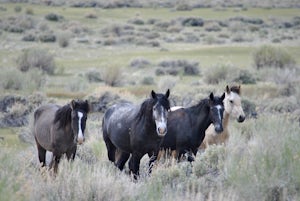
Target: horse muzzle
[(218, 128), (161, 131), (80, 141), (241, 118)]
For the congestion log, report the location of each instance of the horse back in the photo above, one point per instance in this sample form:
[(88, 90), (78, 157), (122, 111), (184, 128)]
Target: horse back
[(43, 120), (116, 124), (177, 123)]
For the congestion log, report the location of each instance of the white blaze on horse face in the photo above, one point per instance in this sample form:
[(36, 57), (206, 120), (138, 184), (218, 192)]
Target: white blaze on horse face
[(219, 109), (80, 137), (160, 121)]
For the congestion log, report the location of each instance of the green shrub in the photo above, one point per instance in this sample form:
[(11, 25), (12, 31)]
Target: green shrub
[(47, 38), (77, 84), (249, 108), (112, 75), (93, 76), (36, 58), (219, 73), (63, 39), (13, 79), (18, 9), (245, 77), (29, 37), (148, 80), (53, 17), (269, 159), (29, 11), (271, 56)]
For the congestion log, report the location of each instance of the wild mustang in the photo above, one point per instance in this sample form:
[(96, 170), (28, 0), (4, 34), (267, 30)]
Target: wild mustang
[(58, 130), (233, 108), (136, 130), (186, 126)]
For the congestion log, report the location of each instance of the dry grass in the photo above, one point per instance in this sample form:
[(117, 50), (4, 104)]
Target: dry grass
[(260, 151)]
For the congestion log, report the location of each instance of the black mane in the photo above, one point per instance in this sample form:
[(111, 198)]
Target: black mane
[(146, 107), (63, 116), (195, 109)]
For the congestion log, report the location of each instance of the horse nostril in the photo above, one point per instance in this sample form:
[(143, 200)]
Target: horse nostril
[(241, 119), (162, 131)]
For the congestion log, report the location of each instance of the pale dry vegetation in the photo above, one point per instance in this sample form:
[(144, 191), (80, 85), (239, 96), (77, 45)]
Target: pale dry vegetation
[(54, 51)]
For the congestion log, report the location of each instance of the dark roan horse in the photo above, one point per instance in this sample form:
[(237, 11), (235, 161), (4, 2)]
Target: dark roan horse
[(58, 130), (186, 126), (136, 130)]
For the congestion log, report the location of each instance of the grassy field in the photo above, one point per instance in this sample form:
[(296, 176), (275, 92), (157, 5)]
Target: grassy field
[(261, 160)]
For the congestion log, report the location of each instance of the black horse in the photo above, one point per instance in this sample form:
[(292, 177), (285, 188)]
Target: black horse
[(136, 130), (58, 130), (186, 126)]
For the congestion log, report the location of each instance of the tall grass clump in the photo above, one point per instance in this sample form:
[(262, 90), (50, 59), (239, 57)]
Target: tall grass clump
[(265, 165), (271, 56), (112, 75), (219, 73), (36, 58), (63, 39)]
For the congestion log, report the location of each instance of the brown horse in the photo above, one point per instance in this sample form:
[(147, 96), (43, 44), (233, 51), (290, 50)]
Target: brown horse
[(58, 130), (233, 108)]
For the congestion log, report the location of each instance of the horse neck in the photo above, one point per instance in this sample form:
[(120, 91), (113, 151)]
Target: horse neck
[(144, 118), (226, 120), (199, 116)]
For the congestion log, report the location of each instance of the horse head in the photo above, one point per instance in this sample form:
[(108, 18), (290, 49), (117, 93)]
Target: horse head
[(160, 111), (232, 103), (216, 110), (78, 119)]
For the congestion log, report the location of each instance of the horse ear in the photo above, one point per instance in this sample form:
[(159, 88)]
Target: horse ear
[(167, 93), (88, 105), (153, 94), (227, 89), (223, 96), (73, 104), (211, 96)]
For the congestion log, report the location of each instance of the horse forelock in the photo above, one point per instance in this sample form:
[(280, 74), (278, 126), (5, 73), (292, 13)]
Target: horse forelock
[(235, 89), (82, 106), (163, 100), (63, 116)]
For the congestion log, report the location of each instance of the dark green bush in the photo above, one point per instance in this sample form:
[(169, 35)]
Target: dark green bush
[(63, 39), (93, 76), (245, 77), (36, 58), (53, 17), (148, 80), (249, 108), (192, 21), (29, 37), (47, 38)]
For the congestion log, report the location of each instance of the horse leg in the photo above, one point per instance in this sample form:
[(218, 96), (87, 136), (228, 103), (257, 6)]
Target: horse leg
[(41, 153), (71, 153), (190, 157), (134, 164), (54, 163), (122, 159), (111, 149), (153, 158)]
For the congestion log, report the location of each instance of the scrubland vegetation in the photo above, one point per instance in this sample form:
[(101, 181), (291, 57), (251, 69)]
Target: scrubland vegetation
[(105, 51)]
